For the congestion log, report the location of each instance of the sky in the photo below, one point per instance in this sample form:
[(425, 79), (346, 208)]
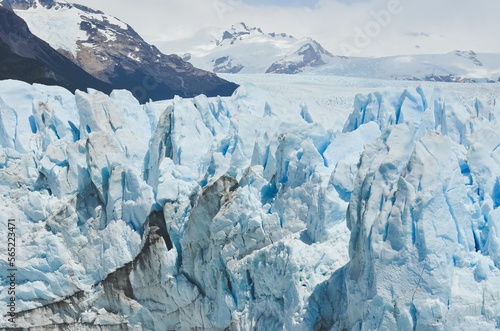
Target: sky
[(344, 27)]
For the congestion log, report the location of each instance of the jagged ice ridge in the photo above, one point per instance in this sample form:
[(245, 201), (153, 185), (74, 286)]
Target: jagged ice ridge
[(229, 213)]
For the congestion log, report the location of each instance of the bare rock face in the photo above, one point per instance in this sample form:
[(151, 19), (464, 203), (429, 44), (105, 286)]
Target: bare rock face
[(113, 52), (129, 62)]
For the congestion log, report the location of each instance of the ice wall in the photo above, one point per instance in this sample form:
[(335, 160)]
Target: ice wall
[(423, 218), (230, 213)]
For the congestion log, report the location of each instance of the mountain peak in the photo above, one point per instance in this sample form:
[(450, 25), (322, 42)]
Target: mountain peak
[(240, 27), (247, 49), (237, 31), (471, 55), (240, 30)]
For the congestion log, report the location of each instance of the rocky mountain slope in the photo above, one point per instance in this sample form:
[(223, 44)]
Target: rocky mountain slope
[(114, 53), (26, 57)]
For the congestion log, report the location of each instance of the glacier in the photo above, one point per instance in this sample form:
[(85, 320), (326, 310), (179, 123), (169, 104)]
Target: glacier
[(253, 211)]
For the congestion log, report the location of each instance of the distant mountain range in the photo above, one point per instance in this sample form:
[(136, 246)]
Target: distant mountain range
[(458, 66), (247, 50), (80, 47), (244, 49)]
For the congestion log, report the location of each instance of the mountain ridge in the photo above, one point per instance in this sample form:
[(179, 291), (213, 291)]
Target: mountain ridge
[(245, 49), (112, 52)]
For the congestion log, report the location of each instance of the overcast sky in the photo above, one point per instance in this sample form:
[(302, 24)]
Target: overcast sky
[(403, 26)]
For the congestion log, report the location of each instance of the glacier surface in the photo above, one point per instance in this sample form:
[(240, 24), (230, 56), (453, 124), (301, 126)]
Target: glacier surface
[(257, 211)]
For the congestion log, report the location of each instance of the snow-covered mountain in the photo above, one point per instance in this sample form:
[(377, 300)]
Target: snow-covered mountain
[(248, 50), (230, 213), (458, 66), (244, 49), (113, 52), (25, 57)]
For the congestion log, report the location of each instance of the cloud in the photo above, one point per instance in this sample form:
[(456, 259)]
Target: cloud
[(449, 24)]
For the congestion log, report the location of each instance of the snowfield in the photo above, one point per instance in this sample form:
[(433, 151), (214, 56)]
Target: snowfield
[(60, 24), (299, 203)]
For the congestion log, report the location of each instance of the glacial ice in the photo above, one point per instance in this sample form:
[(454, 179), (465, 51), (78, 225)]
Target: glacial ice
[(230, 213), (423, 248)]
